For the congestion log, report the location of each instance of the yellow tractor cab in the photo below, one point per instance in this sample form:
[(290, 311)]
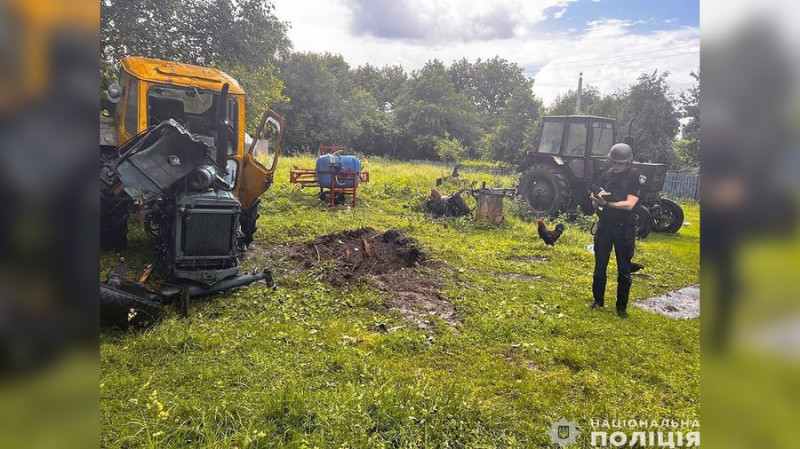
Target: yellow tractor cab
[(173, 142), (151, 91)]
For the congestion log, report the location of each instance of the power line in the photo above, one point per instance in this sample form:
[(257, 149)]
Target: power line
[(554, 66), (629, 54)]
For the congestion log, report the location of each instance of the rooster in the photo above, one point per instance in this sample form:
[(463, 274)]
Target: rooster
[(549, 237)]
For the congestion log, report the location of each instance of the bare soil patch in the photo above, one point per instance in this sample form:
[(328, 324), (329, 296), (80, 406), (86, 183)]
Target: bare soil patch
[(416, 296), (352, 254), (518, 277), (392, 261)]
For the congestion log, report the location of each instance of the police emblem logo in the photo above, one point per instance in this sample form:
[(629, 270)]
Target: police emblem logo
[(563, 433), (642, 179)]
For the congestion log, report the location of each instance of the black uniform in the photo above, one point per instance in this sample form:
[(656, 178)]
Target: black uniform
[(616, 228)]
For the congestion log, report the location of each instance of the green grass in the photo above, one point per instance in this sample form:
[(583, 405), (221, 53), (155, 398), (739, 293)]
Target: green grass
[(256, 368)]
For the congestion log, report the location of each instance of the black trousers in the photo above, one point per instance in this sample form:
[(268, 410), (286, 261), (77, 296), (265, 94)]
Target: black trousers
[(622, 237)]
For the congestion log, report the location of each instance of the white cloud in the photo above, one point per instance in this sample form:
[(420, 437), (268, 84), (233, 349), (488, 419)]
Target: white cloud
[(613, 59), (448, 20), (560, 13), (327, 25)]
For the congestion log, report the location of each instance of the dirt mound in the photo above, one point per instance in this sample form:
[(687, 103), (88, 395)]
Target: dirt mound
[(356, 253), (392, 261)]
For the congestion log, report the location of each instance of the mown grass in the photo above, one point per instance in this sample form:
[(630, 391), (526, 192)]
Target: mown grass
[(257, 368)]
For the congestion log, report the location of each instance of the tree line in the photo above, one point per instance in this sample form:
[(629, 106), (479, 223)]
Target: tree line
[(485, 109)]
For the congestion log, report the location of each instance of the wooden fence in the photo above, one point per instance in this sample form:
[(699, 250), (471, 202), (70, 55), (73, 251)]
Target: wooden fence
[(682, 185)]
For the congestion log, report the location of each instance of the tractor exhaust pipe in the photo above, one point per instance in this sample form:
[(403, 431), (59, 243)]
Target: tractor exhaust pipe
[(222, 138), (579, 105), (629, 138)]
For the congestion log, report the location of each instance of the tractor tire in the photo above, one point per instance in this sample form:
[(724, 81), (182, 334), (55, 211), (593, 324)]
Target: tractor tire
[(546, 189), (644, 221), (121, 309), (114, 211), (667, 216), (247, 222)]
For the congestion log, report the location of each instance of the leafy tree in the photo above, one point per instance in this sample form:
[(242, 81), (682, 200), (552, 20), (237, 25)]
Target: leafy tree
[(516, 125), (384, 84), (207, 32), (263, 88), (684, 154), (377, 133), (429, 108), (321, 109), (656, 124), (241, 37), (689, 102), (565, 104), (488, 84)]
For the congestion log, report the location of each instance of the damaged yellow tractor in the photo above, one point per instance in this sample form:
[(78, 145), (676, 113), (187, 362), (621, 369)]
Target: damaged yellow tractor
[(174, 147)]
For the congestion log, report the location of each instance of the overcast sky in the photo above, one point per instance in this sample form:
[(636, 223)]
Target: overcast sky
[(610, 41)]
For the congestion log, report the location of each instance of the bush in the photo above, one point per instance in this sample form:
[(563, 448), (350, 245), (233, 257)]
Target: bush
[(450, 150)]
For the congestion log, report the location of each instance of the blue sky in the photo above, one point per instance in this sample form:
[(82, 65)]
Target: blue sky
[(648, 15), (610, 41)]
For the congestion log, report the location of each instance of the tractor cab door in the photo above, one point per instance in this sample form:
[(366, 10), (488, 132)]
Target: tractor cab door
[(261, 159), (602, 138), (575, 146)]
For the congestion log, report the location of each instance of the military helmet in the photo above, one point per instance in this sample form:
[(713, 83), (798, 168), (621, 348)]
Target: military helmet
[(621, 153)]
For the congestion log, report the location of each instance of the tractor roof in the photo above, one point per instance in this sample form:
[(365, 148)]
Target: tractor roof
[(168, 72)]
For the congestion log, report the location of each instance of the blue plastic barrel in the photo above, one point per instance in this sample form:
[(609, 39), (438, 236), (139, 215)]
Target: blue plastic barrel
[(335, 165)]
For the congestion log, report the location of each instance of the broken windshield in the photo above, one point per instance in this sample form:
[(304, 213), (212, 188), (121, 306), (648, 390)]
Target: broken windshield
[(193, 108)]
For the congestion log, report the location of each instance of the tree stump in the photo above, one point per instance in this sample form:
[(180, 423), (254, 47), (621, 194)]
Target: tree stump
[(490, 207)]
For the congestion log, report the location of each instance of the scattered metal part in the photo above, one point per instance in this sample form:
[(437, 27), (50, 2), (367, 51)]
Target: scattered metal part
[(145, 274), (184, 303), (195, 291)]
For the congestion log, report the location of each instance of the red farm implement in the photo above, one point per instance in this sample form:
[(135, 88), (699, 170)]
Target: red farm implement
[(340, 174)]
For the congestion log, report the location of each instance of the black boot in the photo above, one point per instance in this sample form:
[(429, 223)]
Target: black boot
[(596, 304), (622, 313)]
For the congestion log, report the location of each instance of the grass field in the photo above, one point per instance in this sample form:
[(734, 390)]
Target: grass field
[(304, 366)]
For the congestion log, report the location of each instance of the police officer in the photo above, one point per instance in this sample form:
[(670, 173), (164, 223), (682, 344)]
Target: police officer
[(617, 195)]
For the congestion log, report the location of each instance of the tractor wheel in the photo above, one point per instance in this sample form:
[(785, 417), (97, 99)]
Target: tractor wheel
[(546, 189), (644, 221), (667, 216), (114, 211), (247, 221), (122, 309)]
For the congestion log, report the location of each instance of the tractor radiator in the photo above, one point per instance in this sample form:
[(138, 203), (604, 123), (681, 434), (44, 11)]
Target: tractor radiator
[(207, 232), (205, 236)]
